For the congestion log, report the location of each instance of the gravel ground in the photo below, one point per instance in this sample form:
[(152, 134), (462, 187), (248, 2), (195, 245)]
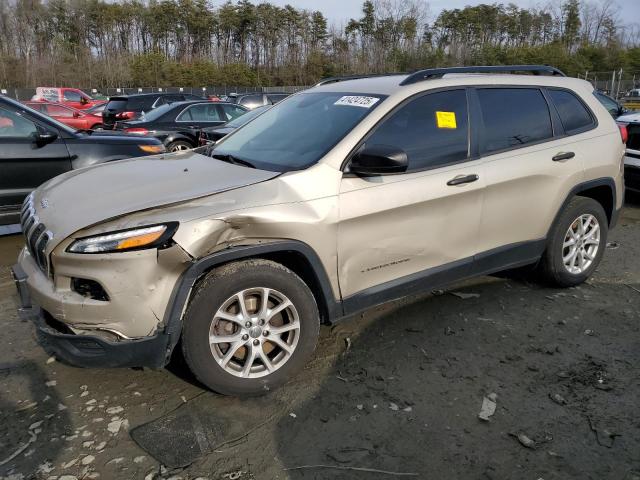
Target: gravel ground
[(398, 389)]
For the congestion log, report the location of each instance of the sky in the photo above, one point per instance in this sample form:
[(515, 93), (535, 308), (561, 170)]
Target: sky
[(340, 11)]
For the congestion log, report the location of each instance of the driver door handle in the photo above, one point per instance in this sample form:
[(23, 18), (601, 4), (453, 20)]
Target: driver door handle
[(563, 156), (461, 179)]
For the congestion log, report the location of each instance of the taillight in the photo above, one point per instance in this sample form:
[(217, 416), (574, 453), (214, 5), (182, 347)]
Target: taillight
[(125, 115), (624, 133), (202, 139), (136, 131)]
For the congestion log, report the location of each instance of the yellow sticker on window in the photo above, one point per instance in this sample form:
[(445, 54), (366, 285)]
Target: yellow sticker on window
[(446, 120)]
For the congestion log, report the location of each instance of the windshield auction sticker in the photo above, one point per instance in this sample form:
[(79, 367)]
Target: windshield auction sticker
[(446, 120), (357, 101)]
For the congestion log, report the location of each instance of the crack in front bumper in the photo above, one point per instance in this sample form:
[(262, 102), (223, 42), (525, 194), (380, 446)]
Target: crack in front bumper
[(88, 350)]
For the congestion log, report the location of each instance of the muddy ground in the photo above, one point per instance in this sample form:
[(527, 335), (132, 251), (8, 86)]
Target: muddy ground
[(398, 390)]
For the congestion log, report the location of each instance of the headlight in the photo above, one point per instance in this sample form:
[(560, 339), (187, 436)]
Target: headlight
[(134, 239), (152, 148)]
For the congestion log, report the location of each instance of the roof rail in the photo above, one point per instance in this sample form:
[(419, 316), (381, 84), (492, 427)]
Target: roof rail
[(328, 80), (431, 73)]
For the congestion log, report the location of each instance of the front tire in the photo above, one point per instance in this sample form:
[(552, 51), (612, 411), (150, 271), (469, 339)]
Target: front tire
[(576, 244), (250, 327)]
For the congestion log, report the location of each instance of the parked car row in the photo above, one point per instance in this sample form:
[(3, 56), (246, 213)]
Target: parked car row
[(178, 124), (35, 147)]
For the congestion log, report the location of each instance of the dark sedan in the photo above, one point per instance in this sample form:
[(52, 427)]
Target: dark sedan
[(131, 107), (213, 134), (178, 125), (35, 148)]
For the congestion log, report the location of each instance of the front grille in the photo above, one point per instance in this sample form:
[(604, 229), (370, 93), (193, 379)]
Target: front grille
[(36, 235)]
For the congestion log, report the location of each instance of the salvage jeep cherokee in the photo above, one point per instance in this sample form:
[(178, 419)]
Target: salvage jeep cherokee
[(347, 195)]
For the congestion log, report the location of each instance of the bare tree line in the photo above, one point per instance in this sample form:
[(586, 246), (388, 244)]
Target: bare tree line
[(192, 43)]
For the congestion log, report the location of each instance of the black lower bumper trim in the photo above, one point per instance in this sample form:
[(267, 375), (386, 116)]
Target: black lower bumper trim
[(88, 350), (93, 351)]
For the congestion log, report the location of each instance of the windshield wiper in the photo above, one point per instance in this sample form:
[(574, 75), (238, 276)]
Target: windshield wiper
[(233, 160)]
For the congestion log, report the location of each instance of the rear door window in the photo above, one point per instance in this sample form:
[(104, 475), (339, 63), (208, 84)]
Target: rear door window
[(574, 115), (433, 130), (513, 118), (205, 112)]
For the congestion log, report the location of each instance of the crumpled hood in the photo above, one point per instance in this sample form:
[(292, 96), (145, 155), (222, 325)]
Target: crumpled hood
[(92, 195)]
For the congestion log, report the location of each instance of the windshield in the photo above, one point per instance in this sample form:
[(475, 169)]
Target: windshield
[(246, 117), (298, 131)]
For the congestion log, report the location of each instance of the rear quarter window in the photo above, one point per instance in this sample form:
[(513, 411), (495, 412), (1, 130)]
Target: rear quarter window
[(513, 118), (574, 115)]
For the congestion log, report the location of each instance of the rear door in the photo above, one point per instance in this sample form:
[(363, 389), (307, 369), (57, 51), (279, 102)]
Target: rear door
[(25, 164), (531, 165), (200, 115)]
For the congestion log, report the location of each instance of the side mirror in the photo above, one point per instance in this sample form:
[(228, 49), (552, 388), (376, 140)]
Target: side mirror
[(76, 114), (379, 160), (44, 137), (83, 100)]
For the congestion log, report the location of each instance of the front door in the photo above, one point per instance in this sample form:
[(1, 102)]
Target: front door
[(401, 233), (25, 163)]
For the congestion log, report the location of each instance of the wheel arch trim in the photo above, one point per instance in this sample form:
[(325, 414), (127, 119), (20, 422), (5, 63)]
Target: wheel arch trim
[(182, 290), (583, 187)]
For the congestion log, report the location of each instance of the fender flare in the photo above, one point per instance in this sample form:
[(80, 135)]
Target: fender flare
[(178, 136), (182, 290), (581, 187)]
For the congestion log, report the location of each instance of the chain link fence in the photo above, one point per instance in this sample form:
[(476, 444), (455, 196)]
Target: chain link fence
[(23, 94), (617, 84)]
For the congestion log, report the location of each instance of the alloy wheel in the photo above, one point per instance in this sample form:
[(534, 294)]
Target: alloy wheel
[(179, 148), (254, 332), (581, 244)]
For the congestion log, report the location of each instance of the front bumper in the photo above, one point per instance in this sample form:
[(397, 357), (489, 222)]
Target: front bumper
[(88, 350)]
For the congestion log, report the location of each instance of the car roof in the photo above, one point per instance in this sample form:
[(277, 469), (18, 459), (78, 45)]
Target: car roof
[(391, 84), (204, 100), (153, 94)]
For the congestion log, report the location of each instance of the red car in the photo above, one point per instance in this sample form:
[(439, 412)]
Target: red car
[(79, 119), (72, 97)]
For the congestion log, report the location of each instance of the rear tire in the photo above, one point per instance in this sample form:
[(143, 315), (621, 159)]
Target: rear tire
[(268, 341), (576, 243), (179, 146)]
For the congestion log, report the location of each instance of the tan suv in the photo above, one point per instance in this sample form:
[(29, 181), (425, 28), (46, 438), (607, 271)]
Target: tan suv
[(347, 195)]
